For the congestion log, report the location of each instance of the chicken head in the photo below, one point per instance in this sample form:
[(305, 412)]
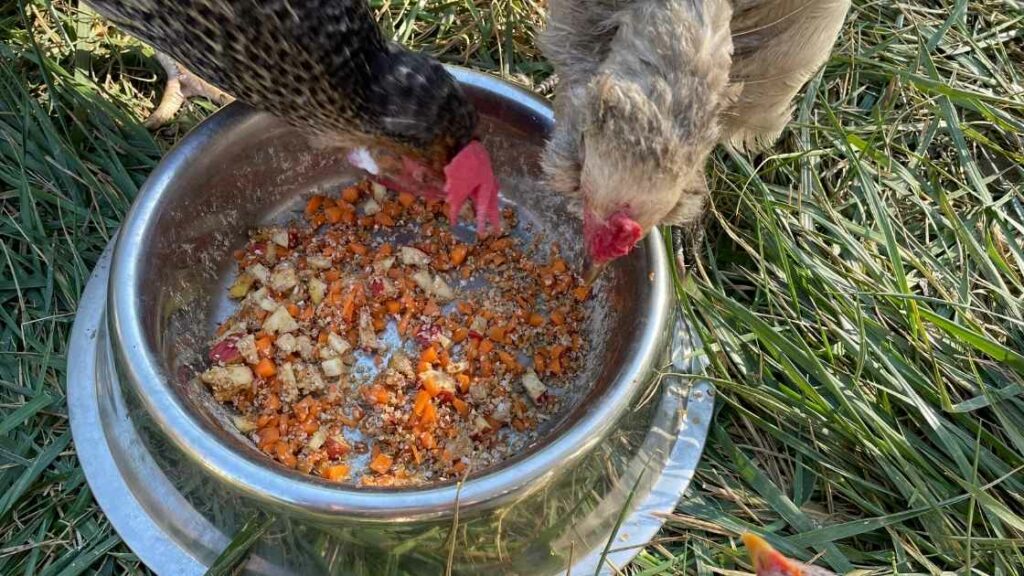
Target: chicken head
[(634, 131)]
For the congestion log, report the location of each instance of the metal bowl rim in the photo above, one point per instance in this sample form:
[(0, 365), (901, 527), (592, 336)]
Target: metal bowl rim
[(291, 490)]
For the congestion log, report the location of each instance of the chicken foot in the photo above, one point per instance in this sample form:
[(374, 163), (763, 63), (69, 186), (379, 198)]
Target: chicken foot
[(181, 85)]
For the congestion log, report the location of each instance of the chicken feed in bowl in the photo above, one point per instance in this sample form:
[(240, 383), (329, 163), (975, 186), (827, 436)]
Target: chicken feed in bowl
[(372, 345)]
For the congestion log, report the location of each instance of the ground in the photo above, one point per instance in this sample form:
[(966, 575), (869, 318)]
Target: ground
[(859, 287)]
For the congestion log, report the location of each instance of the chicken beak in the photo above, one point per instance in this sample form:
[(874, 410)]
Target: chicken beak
[(592, 271), (767, 560)]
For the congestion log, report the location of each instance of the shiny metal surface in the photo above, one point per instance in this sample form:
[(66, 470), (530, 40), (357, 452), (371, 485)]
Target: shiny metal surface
[(185, 478)]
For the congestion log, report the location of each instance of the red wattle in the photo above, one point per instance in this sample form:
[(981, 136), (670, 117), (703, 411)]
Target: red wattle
[(611, 239)]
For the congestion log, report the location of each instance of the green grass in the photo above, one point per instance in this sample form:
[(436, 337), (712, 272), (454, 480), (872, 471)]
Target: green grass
[(859, 287)]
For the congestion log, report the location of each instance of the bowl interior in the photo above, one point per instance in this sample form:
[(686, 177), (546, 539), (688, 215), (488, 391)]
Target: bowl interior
[(248, 169)]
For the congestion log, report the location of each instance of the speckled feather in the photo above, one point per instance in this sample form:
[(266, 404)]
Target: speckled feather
[(323, 64), (649, 87)]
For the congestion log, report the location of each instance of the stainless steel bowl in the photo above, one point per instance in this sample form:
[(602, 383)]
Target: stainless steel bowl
[(630, 440)]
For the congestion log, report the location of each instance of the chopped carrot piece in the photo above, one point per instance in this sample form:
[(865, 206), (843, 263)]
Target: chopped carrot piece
[(415, 454), (536, 320), (556, 351), (538, 363), (420, 404), (336, 472), (429, 354), (508, 360), (357, 248), (559, 266), (379, 324), (459, 467), (464, 381), (381, 463), (350, 194), (266, 368), (403, 324), (263, 346), (427, 440), (378, 395), (284, 454), (348, 308), (429, 414), (486, 346), (458, 255), (502, 243), (406, 199), (313, 205), (461, 406), (581, 293), (383, 219), (555, 366), (557, 318), (273, 403), (459, 334), (486, 368), (465, 307), (310, 426), (496, 333), (307, 314), (293, 309), (268, 436), (333, 275), (393, 306), (424, 367), (431, 309), (333, 215)]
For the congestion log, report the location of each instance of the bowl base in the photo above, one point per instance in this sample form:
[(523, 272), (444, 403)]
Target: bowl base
[(172, 538)]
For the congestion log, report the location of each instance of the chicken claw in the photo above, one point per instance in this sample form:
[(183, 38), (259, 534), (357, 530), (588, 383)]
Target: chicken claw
[(181, 85), (470, 175)]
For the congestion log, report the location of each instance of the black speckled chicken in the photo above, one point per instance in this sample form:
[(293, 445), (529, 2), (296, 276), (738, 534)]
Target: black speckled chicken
[(324, 65), (648, 88)]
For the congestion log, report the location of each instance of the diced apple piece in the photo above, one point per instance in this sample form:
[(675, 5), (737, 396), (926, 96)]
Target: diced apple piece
[(338, 344), (247, 347), (412, 257), (318, 262), (332, 368), (259, 272), (283, 278), (241, 286), (317, 290), (227, 381), (533, 386), (280, 322)]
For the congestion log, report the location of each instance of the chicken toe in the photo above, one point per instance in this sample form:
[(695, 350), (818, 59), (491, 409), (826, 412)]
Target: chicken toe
[(181, 85), (469, 176)]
